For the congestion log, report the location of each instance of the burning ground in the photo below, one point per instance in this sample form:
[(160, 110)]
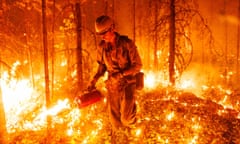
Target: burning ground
[(165, 115)]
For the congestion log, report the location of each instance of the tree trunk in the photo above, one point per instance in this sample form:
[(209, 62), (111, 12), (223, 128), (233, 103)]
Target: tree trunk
[(29, 50), (106, 7), (46, 70), (172, 43), (79, 45), (226, 68), (156, 36), (3, 129), (53, 49), (113, 9), (238, 41), (134, 20)]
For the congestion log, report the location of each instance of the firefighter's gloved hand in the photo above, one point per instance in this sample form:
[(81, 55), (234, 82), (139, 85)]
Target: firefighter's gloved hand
[(120, 80), (121, 83), (117, 75), (91, 88)]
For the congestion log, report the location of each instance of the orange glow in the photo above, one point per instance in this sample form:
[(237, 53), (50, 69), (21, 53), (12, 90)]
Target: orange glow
[(17, 98), (185, 84), (21, 98), (154, 79), (194, 140), (55, 109), (150, 80), (170, 116)]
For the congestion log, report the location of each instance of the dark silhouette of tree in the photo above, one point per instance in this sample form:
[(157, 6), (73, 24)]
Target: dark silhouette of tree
[(79, 45), (134, 20), (3, 129), (46, 70), (172, 35), (155, 39), (238, 41), (171, 25)]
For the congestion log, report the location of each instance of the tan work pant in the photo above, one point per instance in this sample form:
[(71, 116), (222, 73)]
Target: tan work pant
[(121, 105)]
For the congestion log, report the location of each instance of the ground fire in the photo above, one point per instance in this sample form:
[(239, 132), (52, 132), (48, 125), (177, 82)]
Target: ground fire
[(190, 61), (165, 115)]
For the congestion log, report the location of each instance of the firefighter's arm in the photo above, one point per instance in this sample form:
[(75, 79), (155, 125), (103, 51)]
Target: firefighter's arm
[(100, 72)]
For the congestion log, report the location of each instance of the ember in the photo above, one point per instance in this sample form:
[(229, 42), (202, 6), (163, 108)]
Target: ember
[(165, 115), (190, 55)]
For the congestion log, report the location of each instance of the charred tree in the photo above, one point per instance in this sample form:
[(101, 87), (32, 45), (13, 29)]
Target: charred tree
[(79, 45), (113, 9), (155, 51), (53, 49), (238, 41), (106, 7), (226, 52), (29, 49), (45, 53), (172, 35), (3, 131), (46, 71), (134, 20)]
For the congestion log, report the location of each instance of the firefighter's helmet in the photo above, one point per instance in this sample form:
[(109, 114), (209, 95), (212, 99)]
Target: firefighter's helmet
[(103, 24)]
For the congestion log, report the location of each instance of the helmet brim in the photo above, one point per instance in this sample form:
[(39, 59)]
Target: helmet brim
[(103, 31)]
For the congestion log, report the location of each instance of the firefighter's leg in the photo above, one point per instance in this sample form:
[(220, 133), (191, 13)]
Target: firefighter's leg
[(119, 135), (128, 106), (114, 108)]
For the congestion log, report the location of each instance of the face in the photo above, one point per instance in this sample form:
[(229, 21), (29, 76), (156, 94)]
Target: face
[(108, 36)]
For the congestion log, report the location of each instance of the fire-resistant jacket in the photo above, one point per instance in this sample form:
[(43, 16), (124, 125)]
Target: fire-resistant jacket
[(123, 58)]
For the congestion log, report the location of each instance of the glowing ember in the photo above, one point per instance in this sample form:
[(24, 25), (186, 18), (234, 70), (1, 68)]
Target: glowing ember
[(170, 116), (150, 80), (153, 79), (184, 84), (138, 132), (18, 96), (194, 140), (161, 115)]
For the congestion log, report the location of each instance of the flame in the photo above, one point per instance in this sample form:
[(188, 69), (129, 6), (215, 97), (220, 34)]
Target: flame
[(150, 80), (170, 116), (138, 132), (20, 98), (186, 83), (194, 140), (153, 79), (61, 104)]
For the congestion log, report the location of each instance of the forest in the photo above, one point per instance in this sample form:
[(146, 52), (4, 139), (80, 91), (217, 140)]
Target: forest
[(190, 54)]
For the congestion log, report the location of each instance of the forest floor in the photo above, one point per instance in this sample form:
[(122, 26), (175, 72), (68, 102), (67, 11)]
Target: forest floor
[(175, 118)]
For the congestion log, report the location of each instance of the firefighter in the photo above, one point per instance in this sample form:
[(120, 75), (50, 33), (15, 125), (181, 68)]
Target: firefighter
[(119, 57)]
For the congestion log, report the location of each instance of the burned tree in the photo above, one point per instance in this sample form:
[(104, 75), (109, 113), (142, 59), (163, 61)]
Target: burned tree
[(171, 28), (3, 129), (172, 36), (79, 45)]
